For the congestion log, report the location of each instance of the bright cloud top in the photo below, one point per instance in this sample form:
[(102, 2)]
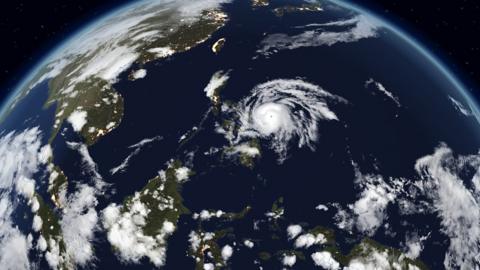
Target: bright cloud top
[(21, 155), (282, 110), (456, 204)]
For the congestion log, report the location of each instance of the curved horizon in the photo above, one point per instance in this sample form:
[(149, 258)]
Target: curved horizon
[(421, 47)]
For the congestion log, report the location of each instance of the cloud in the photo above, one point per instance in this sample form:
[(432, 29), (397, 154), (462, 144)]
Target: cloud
[(207, 215), (459, 107), (137, 148), (369, 209), (282, 110), (14, 246), (307, 240), (227, 252), (324, 259), (456, 205), (368, 212), (360, 27), (321, 207), (125, 233), (77, 119), (293, 231), (383, 90), (374, 260), (414, 245), (79, 222), (25, 187), (37, 223), (248, 243), (289, 260), (89, 165), (111, 46), (20, 159), (218, 80), (139, 74)]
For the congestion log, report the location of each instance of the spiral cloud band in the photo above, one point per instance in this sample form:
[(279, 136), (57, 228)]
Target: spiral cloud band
[(283, 110)]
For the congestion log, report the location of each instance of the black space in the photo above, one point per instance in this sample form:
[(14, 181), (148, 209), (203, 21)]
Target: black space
[(29, 29)]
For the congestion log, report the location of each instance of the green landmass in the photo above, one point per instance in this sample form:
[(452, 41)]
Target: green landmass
[(156, 190)]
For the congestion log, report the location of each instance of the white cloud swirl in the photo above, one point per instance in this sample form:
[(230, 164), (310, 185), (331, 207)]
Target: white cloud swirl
[(282, 110)]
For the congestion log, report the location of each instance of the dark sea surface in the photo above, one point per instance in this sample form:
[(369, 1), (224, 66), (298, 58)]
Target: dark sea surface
[(373, 132)]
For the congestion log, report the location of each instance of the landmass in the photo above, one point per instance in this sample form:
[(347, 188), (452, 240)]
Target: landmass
[(312, 7)]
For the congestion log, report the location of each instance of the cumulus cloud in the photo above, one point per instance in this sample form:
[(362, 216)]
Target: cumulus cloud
[(307, 240), (359, 27), (227, 252), (37, 223), (125, 233), (324, 259), (370, 209), (368, 212), (248, 243), (77, 119), (25, 187), (293, 231), (79, 223), (20, 159), (289, 260), (374, 260), (414, 245)]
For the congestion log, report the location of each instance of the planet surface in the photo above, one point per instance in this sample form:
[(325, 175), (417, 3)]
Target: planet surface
[(235, 134)]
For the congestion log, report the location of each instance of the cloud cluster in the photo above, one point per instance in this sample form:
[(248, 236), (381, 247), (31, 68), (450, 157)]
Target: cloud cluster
[(21, 155), (282, 110), (125, 233), (457, 205), (368, 212), (78, 223)]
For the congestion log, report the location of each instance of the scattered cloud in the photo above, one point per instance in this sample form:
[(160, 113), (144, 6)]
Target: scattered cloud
[(460, 107), (136, 150), (383, 90), (79, 223), (125, 233)]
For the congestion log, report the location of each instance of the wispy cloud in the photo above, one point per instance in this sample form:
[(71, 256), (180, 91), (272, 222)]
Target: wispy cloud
[(359, 27)]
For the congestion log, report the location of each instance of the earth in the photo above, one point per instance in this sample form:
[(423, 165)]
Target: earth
[(223, 134)]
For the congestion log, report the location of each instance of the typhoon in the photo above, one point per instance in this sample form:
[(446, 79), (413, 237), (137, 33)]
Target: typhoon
[(285, 110)]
